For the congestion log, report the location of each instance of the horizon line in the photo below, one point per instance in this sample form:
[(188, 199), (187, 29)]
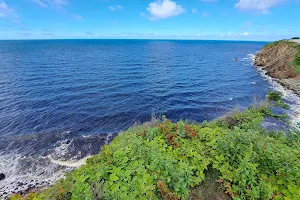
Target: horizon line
[(178, 39)]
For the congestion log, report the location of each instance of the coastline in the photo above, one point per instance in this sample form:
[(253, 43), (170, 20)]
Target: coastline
[(290, 96), (32, 168), (274, 63), (161, 155), (280, 61)]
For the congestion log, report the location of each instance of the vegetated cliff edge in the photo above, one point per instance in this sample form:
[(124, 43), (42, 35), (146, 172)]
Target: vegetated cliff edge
[(231, 157), (281, 60)]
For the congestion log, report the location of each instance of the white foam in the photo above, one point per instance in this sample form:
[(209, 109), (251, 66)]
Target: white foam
[(24, 172), (74, 164), (108, 138), (32, 172), (251, 57), (288, 95)]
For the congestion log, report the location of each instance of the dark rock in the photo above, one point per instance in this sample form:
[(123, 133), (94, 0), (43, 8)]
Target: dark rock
[(20, 184), (2, 176), (68, 142)]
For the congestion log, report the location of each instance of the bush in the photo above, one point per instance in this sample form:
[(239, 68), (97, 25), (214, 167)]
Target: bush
[(277, 97), (170, 160), (274, 96), (295, 38)]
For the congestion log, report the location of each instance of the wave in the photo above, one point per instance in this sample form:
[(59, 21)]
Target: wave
[(288, 96), (25, 170)]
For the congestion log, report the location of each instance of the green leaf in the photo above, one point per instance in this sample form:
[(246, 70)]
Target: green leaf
[(113, 177)]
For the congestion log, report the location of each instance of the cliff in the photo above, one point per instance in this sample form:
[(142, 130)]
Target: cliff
[(281, 60)]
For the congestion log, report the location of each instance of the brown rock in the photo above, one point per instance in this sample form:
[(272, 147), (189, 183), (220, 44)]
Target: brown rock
[(276, 59)]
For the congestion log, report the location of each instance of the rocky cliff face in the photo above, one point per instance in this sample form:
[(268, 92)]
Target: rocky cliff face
[(276, 59)]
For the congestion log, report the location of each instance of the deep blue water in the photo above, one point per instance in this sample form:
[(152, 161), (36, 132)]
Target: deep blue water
[(53, 92), (104, 86)]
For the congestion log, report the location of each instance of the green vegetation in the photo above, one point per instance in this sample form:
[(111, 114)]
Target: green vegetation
[(270, 45), (295, 38), (277, 97), (296, 62), (274, 96), (229, 157)]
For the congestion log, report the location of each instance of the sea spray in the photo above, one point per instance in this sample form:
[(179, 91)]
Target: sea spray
[(289, 96), (26, 170)]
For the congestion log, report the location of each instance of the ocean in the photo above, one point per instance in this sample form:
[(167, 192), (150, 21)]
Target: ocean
[(62, 100)]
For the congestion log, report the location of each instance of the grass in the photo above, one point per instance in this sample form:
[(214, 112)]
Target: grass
[(296, 61), (270, 45), (233, 157)]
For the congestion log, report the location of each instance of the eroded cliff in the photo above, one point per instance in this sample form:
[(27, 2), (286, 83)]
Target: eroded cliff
[(279, 59)]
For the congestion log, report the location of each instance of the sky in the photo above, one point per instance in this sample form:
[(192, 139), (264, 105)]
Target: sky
[(261, 20)]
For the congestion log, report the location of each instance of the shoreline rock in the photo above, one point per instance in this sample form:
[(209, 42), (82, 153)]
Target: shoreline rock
[(2, 176), (291, 84)]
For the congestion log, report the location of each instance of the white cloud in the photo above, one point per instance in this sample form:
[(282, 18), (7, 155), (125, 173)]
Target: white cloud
[(205, 14), (42, 4), (15, 21), (245, 34), (262, 6), (89, 33), (248, 24), (59, 2), (161, 9), (77, 17), (115, 7), (194, 10), (5, 11), (59, 6), (47, 3)]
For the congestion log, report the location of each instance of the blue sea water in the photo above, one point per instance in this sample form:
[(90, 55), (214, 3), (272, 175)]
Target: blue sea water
[(104, 86), (52, 92)]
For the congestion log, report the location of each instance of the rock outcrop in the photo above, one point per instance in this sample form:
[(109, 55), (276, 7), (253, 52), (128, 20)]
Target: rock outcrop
[(2, 176), (277, 59)]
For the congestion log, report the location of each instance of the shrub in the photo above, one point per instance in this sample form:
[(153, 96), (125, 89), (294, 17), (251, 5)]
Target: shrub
[(169, 160), (277, 97)]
